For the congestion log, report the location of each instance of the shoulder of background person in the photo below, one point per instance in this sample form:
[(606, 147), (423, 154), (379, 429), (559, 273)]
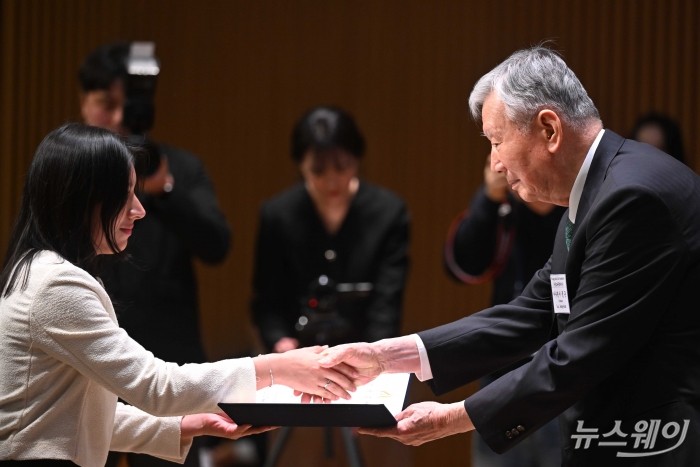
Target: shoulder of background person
[(288, 202), (373, 196)]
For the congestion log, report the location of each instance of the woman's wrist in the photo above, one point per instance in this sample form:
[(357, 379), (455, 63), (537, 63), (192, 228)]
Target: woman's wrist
[(190, 426), (264, 370)]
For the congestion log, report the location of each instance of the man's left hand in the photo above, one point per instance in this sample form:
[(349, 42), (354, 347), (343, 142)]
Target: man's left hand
[(425, 421)]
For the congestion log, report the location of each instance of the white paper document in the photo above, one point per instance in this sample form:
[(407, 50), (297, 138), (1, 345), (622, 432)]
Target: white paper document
[(388, 389)]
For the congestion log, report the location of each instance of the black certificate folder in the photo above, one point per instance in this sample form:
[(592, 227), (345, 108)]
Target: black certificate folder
[(311, 415), (372, 405)]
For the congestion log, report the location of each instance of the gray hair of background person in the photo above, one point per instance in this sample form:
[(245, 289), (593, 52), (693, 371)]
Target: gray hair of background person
[(531, 80)]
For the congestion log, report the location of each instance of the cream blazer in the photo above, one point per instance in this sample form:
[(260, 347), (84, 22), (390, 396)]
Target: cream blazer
[(64, 361)]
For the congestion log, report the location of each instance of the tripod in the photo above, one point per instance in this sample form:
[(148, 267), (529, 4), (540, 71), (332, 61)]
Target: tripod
[(352, 448), (322, 325)]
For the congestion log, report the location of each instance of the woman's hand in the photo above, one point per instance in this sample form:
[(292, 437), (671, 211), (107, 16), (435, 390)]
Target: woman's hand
[(211, 424), (300, 370)]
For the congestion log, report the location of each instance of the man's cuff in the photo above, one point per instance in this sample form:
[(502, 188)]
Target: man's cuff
[(425, 372)]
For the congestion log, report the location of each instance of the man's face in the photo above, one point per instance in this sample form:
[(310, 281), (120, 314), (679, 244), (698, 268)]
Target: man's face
[(522, 157), (104, 107)]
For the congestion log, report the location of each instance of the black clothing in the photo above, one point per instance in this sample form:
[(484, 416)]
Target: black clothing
[(510, 242), (155, 291), (294, 250)]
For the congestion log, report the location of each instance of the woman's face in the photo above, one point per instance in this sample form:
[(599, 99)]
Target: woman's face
[(130, 213), (330, 177)]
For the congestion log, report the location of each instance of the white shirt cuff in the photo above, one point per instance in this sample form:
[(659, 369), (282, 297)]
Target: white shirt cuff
[(425, 372)]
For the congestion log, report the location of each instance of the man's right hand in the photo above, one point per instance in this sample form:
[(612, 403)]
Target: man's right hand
[(362, 361)]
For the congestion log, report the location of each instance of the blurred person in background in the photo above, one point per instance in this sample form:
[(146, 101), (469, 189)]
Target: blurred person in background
[(332, 251), (660, 131)]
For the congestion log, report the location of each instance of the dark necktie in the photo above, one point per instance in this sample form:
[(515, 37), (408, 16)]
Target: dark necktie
[(568, 232)]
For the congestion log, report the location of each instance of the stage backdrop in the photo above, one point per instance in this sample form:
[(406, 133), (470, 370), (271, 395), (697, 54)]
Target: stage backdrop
[(236, 74)]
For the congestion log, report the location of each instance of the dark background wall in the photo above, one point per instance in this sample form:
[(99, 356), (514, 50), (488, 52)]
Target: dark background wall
[(236, 74)]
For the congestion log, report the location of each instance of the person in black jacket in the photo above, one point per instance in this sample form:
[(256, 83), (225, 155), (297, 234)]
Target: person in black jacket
[(155, 292), (331, 255), (505, 240), (332, 251)]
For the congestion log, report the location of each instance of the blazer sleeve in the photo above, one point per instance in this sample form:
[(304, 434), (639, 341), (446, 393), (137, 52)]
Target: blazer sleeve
[(70, 323), (487, 341), (137, 431)]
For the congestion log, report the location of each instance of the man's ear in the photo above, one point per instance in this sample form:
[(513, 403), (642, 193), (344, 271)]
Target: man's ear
[(548, 125)]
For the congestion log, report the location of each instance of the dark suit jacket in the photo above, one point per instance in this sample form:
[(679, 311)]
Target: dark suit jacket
[(629, 352)]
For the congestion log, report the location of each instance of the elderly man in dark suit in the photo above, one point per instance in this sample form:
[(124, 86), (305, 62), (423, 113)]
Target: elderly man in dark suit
[(613, 315)]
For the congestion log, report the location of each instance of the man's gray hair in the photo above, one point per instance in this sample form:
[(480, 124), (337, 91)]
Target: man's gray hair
[(531, 80)]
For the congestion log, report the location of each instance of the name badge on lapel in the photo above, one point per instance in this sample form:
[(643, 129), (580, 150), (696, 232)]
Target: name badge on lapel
[(560, 297)]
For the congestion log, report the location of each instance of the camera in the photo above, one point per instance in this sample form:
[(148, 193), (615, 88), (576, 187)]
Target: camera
[(142, 69), (328, 310)]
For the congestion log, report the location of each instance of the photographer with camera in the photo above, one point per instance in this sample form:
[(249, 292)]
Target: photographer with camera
[(155, 292)]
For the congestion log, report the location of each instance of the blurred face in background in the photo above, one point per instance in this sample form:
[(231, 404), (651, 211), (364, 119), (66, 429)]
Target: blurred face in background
[(330, 176), (652, 134), (104, 108)]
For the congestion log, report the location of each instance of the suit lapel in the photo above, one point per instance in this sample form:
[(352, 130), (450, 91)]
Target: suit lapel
[(608, 147), (569, 261)]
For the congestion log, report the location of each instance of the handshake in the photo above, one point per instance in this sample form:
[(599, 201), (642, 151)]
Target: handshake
[(322, 374)]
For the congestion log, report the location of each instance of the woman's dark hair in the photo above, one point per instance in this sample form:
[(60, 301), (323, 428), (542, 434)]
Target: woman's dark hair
[(671, 130), (325, 128), (78, 173)]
